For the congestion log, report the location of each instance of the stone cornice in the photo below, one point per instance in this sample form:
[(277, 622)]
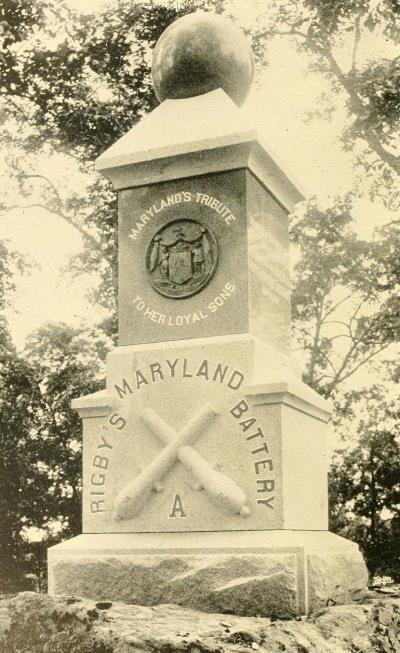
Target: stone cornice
[(97, 404), (169, 144), (296, 395)]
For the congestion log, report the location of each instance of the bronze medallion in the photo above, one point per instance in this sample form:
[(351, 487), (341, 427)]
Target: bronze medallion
[(181, 258)]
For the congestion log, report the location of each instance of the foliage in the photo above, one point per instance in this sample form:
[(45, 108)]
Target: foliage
[(69, 362), (17, 395), (77, 93), (11, 262), (370, 85), (19, 493), (345, 302), (365, 483), (346, 313), (41, 439)]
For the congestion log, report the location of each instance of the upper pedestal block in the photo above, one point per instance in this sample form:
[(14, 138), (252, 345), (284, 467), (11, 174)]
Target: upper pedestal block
[(203, 243)]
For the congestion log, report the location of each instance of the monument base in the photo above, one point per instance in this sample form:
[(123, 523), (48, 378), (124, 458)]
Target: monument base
[(276, 574)]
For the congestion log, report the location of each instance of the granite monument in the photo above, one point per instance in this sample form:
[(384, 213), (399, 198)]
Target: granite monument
[(205, 465)]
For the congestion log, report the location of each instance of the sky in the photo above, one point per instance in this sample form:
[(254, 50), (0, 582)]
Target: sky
[(311, 153)]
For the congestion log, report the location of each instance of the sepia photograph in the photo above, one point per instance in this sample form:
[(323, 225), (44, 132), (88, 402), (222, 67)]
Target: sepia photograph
[(200, 326)]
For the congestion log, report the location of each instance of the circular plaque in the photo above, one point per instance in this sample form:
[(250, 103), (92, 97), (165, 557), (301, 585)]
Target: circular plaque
[(181, 258)]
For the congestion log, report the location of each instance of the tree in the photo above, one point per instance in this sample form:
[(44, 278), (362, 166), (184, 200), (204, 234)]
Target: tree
[(69, 363), (17, 396), (369, 85), (78, 96), (41, 439), (365, 483), (328, 33), (346, 310), (345, 302)]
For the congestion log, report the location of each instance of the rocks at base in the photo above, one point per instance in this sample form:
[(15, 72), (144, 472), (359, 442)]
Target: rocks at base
[(37, 623), (386, 626)]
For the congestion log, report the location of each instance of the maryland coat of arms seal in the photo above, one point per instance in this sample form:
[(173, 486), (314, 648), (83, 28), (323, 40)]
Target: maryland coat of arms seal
[(181, 258)]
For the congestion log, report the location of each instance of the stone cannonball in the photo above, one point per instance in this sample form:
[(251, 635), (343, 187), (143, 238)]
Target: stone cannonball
[(199, 53)]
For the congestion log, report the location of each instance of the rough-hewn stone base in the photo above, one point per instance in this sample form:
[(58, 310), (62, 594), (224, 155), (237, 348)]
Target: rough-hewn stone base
[(270, 574)]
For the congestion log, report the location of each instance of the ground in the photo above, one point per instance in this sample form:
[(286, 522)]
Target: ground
[(37, 623)]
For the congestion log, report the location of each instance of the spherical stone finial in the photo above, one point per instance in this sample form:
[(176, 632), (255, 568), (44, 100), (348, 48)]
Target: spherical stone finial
[(201, 52)]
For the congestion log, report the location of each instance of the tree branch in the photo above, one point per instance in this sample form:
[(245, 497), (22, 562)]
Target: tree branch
[(343, 366), (303, 331), (357, 36), (353, 317), (365, 360), (342, 301), (83, 232), (370, 136), (86, 234), (314, 347), (282, 32), (337, 322), (328, 360)]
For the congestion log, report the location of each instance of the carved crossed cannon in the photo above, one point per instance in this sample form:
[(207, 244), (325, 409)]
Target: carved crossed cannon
[(220, 488)]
